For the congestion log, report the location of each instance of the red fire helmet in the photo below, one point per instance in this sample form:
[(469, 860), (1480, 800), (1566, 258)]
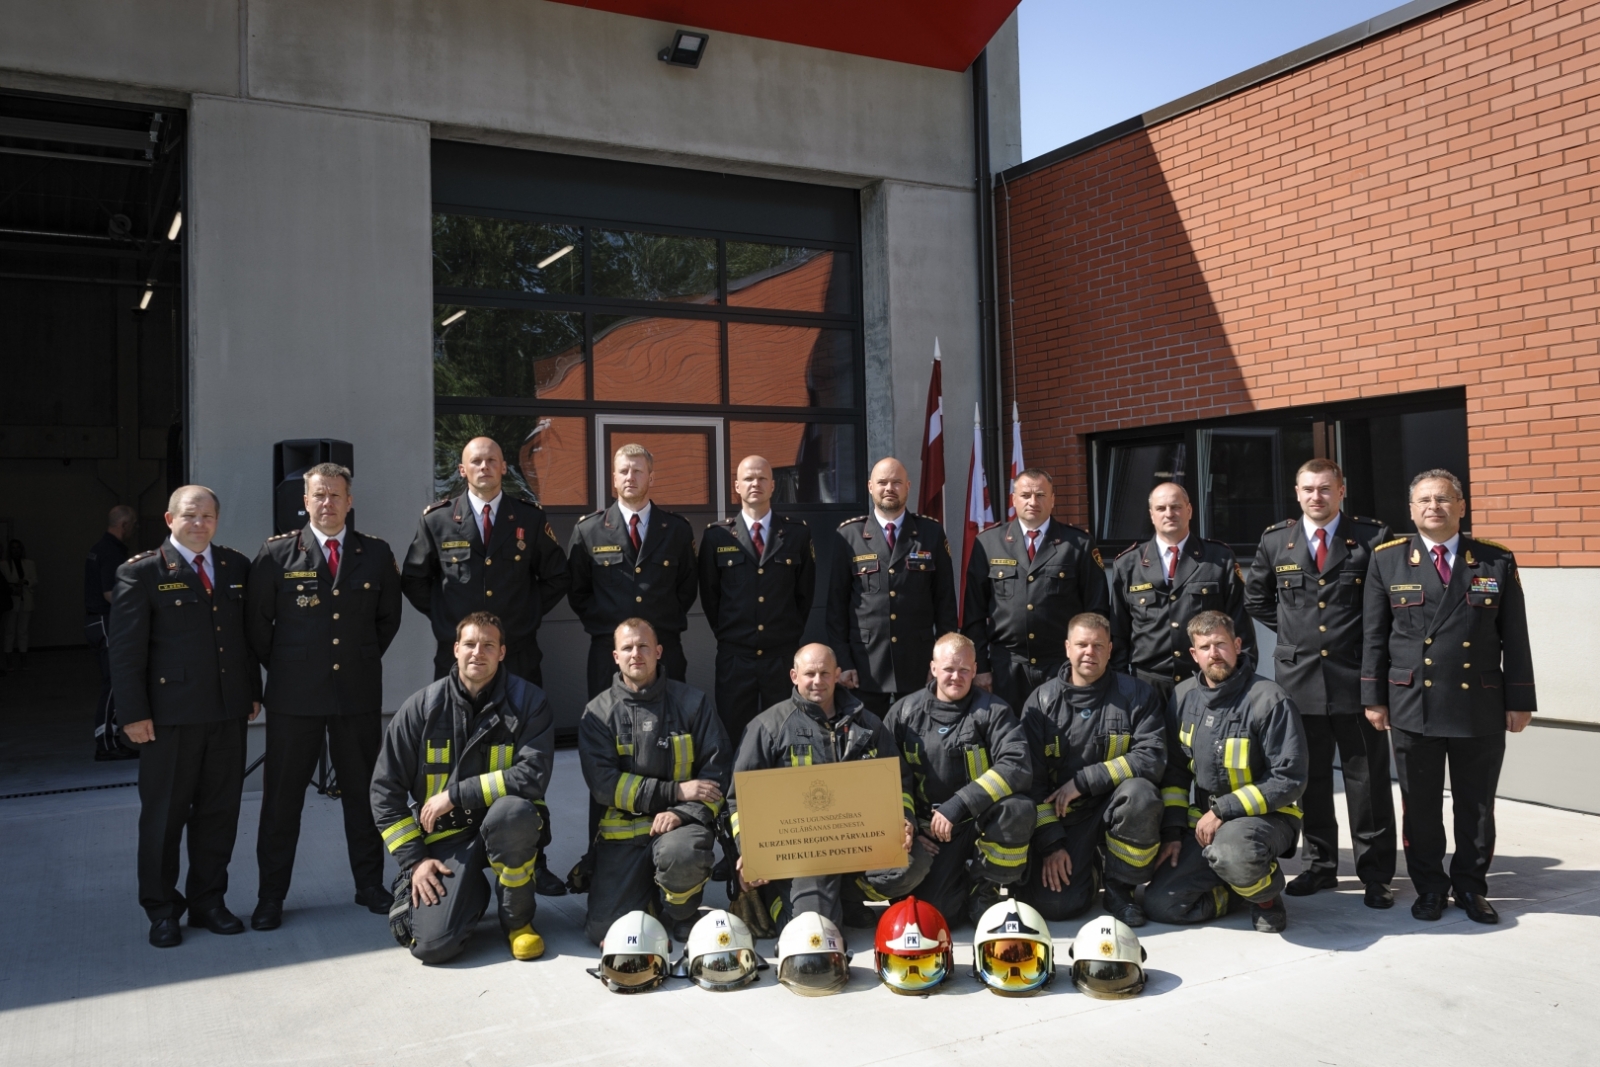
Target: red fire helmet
[(912, 950)]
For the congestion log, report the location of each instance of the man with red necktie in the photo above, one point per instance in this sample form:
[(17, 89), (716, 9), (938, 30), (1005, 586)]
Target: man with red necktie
[(186, 682), (1306, 586), (1446, 668)]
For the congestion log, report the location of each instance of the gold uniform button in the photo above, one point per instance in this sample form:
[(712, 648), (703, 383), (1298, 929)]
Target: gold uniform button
[(638, 600), (336, 615), (335, 666), (486, 592), (1428, 682), (336, 640), (177, 603), (1324, 652), (1030, 637), (1322, 581), (1322, 603), (336, 592), (368, 585), (1178, 654), (891, 592), (894, 640), (758, 652), (1466, 644), (163, 681), (1427, 662), (1427, 640), (1464, 685), (1172, 598), (1030, 577), (1486, 600), (300, 588), (516, 559), (1466, 666), (760, 627), (891, 570), (763, 570), (1030, 607), (638, 570), (1033, 661), (487, 562), (761, 600), (666, 563), (1324, 629), (893, 616), (1174, 626), (1177, 677)]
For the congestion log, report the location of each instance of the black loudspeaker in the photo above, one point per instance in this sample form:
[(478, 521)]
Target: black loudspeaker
[(290, 461)]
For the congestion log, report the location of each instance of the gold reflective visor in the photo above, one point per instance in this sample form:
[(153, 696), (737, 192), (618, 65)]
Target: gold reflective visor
[(633, 973), (724, 970), (912, 974), (1108, 979), (1014, 966)]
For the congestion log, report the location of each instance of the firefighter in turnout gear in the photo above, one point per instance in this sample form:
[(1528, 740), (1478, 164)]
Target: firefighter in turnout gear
[(822, 722), (972, 774), (1099, 748), (463, 765), (655, 757), (1236, 769)]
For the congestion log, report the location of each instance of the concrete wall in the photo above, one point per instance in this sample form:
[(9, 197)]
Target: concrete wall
[(311, 288)]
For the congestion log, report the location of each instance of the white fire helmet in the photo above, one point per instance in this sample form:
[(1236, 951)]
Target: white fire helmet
[(722, 954), (1107, 960), (811, 956), (1012, 952), (636, 954)]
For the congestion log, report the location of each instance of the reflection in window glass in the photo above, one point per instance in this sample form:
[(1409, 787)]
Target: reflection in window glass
[(683, 464), (507, 352), (812, 463), (649, 266), (1133, 471), (522, 257), (657, 360), (547, 458), (1239, 482), (788, 278), (791, 366)]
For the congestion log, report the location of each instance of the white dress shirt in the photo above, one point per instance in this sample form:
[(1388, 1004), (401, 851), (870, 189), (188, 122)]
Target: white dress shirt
[(338, 538), (765, 522), (1166, 553), (188, 557), (884, 521), (1312, 528), (644, 518), (1044, 528), (477, 503)]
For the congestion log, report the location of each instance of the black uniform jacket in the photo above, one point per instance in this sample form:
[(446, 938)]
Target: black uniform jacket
[(796, 733), (1448, 662), (1097, 736), (1148, 617), (635, 747), (100, 573), (610, 582), (322, 638), (437, 742), (1023, 606), (964, 757), (449, 573), (1316, 614), (1240, 746), (178, 655), (757, 603), (886, 609)]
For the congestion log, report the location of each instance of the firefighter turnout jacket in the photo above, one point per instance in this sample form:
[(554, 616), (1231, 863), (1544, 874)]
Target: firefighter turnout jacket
[(964, 757)]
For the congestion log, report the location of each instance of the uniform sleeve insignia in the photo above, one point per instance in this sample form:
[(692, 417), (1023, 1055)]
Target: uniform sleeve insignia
[(549, 531), (1098, 562), (1237, 573), (1391, 544), (435, 506)]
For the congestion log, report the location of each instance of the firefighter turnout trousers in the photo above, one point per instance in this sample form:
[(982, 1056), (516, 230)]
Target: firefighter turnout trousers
[(1115, 840), (507, 843), (627, 875), (991, 848), (1242, 859), (827, 894)]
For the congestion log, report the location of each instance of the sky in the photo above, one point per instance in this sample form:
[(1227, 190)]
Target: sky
[(1087, 65)]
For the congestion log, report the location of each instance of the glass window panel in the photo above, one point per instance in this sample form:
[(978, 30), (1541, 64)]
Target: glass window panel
[(812, 463), (649, 266), (683, 461), (790, 366), (507, 352), (1239, 482), (547, 458), (470, 252), (657, 360), (789, 278), (1133, 471)]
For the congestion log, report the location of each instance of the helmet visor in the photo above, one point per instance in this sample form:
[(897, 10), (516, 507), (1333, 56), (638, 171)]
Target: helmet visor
[(1016, 965), (814, 974), (728, 969), (912, 974), (1108, 979), (634, 972)]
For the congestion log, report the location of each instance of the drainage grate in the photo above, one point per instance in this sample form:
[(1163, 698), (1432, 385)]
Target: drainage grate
[(74, 789)]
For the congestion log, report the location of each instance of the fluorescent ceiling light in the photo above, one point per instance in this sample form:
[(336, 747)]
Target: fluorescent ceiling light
[(553, 256), (144, 301), (458, 315), (177, 224)]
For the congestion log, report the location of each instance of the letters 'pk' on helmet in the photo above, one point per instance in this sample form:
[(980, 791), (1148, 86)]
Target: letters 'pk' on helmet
[(636, 954), (1106, 958), (722, 954), (1012, 952), (811, 956), (912, 951)]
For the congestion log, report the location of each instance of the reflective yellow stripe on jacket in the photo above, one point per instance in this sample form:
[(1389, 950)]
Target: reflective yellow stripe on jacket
[(401, 832), (1236, 761)]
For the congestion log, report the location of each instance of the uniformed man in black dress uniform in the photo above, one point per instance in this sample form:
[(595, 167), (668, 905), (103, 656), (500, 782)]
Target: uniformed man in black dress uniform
[(99, 579), (1026, 581), (1306, 586), (1159, 585), (487, 550), (324, 603), (1448, 671), (758, 574), (891, 594), (186, 683)]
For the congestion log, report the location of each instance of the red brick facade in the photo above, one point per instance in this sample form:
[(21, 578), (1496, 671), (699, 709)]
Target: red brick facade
[(1417, 212)]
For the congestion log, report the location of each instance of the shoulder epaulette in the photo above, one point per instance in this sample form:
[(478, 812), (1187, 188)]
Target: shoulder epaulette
[(142, 555), (1125, 551), (436, 505), (1492, 544), (1363, 518), (592, 515), (721, 522), (1391, 544), (1070, 526), (1214, 541), (1284, 525), (374, 538), (847, 522), (280, 537)]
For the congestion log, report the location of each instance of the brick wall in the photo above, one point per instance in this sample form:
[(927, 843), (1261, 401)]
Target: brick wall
[(1415, 213)]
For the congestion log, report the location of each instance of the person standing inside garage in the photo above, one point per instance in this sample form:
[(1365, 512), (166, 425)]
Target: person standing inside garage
[(99, 581)]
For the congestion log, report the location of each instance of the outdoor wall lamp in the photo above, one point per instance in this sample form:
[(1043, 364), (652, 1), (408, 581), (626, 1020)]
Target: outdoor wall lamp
[(686, 49)]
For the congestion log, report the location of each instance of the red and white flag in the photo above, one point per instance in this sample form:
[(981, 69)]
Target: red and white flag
[(930, 484), (1016, 461), (980, 516)]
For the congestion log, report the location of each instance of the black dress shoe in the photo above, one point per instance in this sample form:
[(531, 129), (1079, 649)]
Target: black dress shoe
[(1378, 895), (1477, 907), (546, 884), (267, 916), (1428, 907), (219, 920), (166, 933), (1120, 903), (121, 752), (375, 899), (1307, 882)]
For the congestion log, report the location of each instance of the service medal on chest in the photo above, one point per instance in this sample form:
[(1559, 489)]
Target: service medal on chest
[(308, 601)]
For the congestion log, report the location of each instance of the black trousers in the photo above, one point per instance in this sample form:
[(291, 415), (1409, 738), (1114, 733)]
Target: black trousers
[(749, 682), (1161, 683), (1015, 678), (1364, 759), (602, 668), (190, 777), (523, 659), (877, 703), (294, 744), (1474, 776), (105, 713), (991, 848), (1115, 840)]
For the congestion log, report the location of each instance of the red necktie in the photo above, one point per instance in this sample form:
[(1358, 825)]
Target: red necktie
[(200, 569), (1032, 545), (888, 535), (633, 531), (1172, 563), (760, 542), (1440, 564), (488, 527), (1322, 548), (333, 558)]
